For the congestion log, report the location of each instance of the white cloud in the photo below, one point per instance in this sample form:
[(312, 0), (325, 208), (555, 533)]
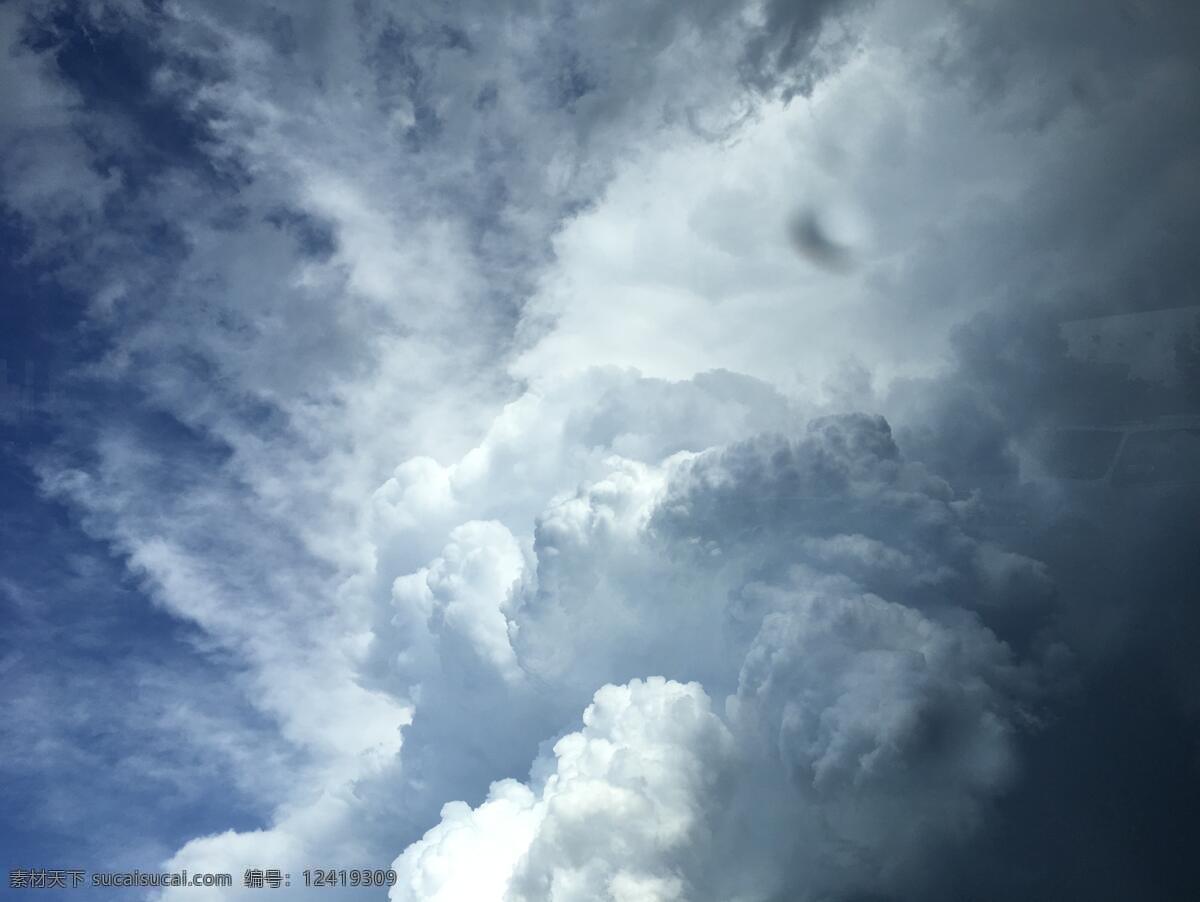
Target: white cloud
[(45, 169), (621, 815), (464, 597)]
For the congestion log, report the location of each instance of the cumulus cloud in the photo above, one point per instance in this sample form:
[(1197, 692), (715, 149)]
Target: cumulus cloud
[(884, 734), (883, 716), (464, 597), (880, 728), (621, 812)]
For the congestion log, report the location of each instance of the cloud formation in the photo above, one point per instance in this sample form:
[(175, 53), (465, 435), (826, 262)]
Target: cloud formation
[(879, 728), (449, 379)]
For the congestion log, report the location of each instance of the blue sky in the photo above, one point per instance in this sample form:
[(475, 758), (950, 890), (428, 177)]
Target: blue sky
[(602, 453)]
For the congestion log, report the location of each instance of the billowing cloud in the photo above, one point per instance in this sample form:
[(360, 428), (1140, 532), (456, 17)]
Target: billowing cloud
[(880, 728), (622, 812)]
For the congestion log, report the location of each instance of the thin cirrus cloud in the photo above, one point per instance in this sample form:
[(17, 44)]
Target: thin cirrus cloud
[(534, 501)]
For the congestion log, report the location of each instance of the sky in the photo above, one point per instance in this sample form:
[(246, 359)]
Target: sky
[(640, 452)]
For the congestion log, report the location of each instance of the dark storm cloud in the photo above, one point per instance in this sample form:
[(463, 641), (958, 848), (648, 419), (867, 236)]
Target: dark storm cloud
[(1113, 517), (1099, 811)]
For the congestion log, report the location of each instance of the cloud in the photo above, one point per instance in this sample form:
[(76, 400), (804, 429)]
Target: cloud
[(457, 595), (621, 813), (898, 727), (855, 713), (441, 367), (261, 362), (883, 733)]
